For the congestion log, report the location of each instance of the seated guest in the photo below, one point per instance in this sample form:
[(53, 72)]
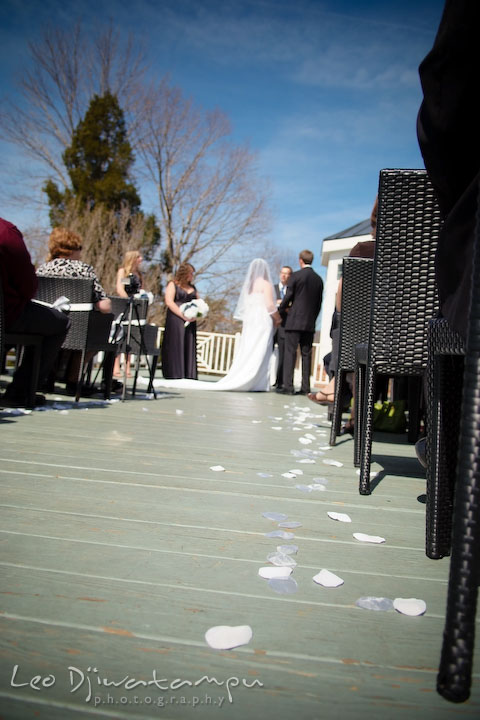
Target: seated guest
[(19, 284), (363, 249), (65, 248), (64, 252)]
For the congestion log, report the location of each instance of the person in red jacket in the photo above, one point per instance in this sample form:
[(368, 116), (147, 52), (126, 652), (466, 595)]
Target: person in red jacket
[(19, 285)]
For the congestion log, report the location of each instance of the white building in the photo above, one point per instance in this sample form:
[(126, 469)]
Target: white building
[(334, 249)]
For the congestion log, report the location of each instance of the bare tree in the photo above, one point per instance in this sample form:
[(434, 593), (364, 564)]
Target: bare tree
[(66, 70), (212, 205), (97, 227)]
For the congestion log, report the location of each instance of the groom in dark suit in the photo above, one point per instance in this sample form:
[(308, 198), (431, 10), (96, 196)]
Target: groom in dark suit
[(300, 307), (279, 337)]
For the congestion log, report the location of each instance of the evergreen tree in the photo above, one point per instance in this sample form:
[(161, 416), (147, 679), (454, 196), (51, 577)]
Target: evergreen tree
[(102, 203), (98, 162)]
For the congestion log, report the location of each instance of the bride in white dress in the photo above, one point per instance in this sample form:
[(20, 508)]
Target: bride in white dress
[(256, 307)]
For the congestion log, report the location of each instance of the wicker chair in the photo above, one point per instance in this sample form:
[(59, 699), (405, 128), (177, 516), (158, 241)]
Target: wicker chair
[(404, 299), (89, 330), (455, 671), (446, 351), (22, 341), (354, 323)]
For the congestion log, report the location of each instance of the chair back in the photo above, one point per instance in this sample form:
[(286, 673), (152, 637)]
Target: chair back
[(355, 315), (404, 296), (88, 329)]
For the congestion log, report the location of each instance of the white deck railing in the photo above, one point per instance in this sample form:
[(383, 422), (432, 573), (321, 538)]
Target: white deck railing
[(215, 353)]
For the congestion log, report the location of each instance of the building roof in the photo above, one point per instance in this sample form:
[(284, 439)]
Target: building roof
[(361, 228)]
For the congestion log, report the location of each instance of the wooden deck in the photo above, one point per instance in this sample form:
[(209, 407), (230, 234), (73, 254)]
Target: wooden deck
[(121, 547)]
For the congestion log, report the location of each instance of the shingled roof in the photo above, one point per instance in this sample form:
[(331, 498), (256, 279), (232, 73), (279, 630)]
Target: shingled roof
[(361, 228)]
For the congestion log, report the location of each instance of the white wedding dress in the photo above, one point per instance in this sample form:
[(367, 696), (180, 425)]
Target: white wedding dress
[(250, 370)]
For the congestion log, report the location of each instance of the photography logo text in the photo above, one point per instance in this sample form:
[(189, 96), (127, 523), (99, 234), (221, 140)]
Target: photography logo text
[(90, 683)]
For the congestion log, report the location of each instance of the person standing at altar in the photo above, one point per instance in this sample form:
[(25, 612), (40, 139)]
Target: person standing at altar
[(300, 307), (279, 338), (179, 345)]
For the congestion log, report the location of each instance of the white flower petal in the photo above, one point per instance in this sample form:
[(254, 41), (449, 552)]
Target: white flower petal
[(341, 517), (275, 572), (281, 559), (280, 534), (327, 579), (410, 606), (225, 637), (286, 586), (368, 538), (277, 516)]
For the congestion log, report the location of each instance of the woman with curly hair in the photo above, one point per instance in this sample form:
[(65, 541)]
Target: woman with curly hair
[(179, 346), (63, 260)]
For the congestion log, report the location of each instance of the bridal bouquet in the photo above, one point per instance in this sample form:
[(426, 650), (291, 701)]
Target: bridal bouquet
[(194, 309)]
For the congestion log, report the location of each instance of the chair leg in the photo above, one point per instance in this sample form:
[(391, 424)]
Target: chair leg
[(359, 409), (365, 438), (37, 356), (108, 363), (80, 377), (337, 406), (415, 392), (152, 373), (445, 388), (455, 671)]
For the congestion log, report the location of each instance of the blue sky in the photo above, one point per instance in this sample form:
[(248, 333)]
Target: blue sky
[(325, 92)]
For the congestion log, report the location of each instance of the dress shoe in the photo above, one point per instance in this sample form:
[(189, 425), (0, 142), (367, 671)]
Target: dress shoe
[(19, 399), (284, 391), (348, 428), (116, 387), (302, 392), (85, 390)]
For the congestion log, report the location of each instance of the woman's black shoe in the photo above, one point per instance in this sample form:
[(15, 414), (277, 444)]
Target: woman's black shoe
[(348, 428)]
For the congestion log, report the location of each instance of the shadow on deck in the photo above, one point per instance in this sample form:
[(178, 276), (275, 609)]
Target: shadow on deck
[(121, 547)]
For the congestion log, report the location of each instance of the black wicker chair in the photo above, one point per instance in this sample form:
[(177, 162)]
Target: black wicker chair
[(22, 341), (455, 671), (89, 329), (404, 299), (446, 351), (354, 324)]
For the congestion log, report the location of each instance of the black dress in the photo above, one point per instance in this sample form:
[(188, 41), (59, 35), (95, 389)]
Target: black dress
[(179, 346)]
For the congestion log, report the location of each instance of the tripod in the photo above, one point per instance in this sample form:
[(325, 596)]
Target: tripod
[(127, 317)]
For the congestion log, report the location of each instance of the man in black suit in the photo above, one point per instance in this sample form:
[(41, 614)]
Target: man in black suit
[(279, 338), (303, 300)]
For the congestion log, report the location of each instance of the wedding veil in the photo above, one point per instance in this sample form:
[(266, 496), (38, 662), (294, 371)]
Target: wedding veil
[(258, 268)]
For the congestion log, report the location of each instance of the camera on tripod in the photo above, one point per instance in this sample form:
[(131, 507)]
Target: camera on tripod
[(131, 284)]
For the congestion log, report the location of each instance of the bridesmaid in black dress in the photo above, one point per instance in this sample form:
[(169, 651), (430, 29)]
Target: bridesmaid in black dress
[(179, 350)]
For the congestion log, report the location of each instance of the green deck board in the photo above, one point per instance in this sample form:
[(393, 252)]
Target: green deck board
[(119, 548)]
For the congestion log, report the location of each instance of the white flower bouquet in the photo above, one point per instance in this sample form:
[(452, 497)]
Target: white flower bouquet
[(194, 309)]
